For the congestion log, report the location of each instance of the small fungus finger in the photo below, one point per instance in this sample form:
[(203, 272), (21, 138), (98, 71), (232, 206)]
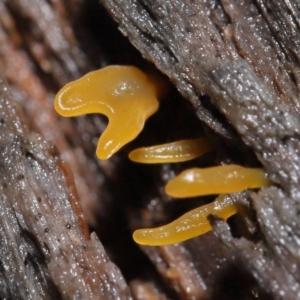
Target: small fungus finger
[(178, 151), (190, 225), (216, 180), (123, 93)]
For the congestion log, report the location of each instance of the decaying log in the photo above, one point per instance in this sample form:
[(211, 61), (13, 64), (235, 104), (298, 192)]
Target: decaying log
[(244, 57), (46, 249), (237, 62)]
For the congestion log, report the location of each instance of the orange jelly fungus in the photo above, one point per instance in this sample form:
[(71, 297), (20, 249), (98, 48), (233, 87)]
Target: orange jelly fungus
[(216, 180), (178, 151), (191, 224), (123, 93), (128, 97)]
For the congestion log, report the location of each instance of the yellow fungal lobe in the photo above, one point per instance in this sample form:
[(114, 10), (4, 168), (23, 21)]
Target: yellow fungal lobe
[(191, 224), (178, 151), (123, 93), (216, 180)]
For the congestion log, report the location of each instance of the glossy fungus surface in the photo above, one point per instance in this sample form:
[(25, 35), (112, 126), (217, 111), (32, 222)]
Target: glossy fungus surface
[(191, 224), (123, 93), (128, 97), (216, 180), (178, 151)]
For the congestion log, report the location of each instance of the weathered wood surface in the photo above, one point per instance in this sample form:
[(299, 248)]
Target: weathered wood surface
[(46, 250), (238, 64)]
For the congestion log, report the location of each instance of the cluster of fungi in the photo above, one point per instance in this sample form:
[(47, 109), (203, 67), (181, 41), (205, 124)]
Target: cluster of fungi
[(128, 97)]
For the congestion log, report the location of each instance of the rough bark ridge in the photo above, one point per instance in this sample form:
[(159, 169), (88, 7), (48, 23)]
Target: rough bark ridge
[(46, 250), (243, 55)]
